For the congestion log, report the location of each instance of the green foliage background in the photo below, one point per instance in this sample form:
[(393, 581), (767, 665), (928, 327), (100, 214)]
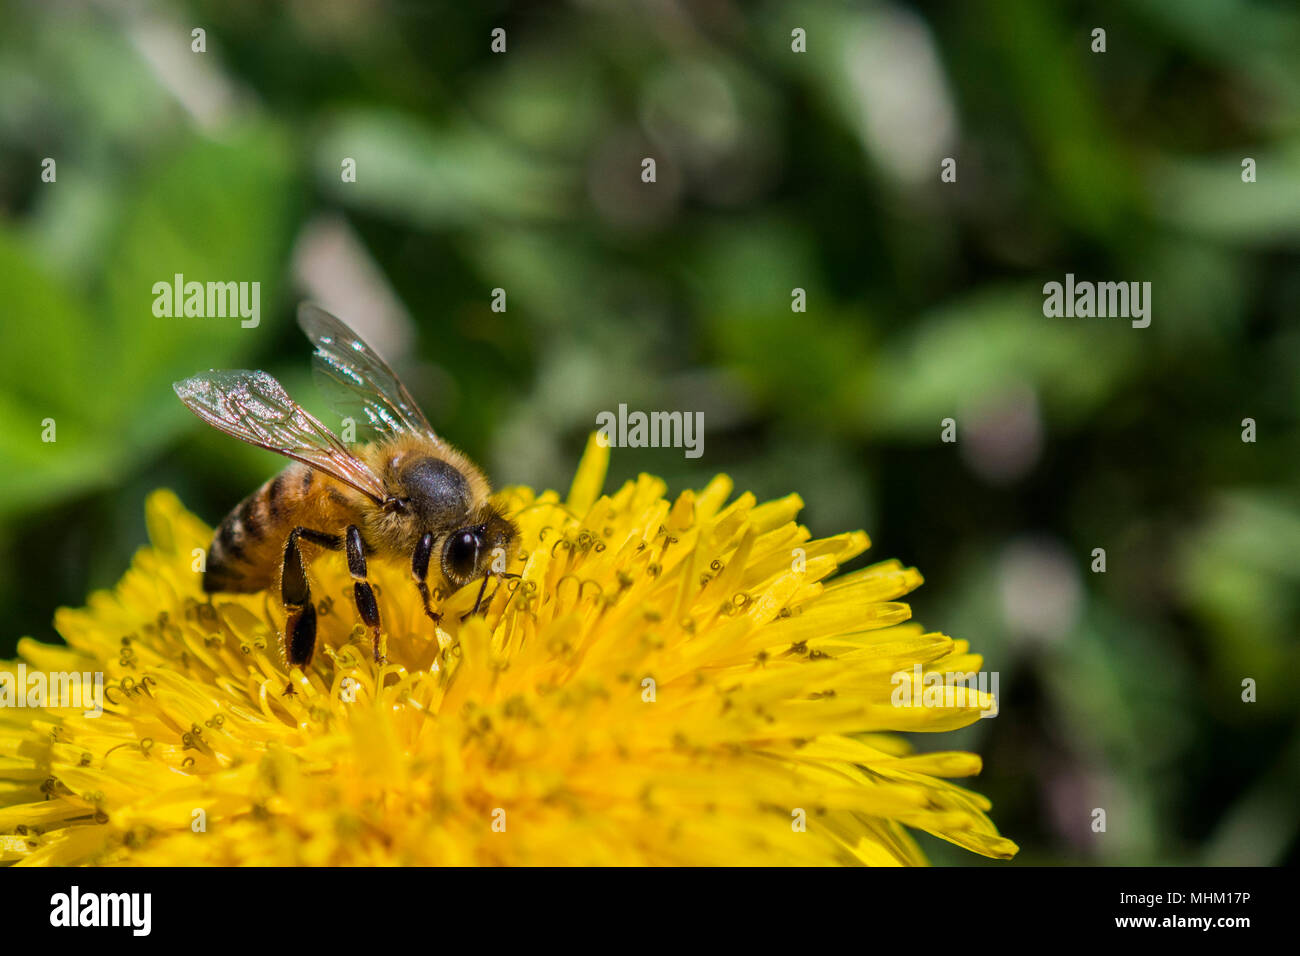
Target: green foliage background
[(776, 170)]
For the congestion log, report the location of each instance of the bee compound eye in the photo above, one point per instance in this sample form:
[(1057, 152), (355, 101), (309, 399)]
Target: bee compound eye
[(460, 559)]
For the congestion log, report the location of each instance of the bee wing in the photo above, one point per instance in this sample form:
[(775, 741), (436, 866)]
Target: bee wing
[(255, 408), (356, 378)]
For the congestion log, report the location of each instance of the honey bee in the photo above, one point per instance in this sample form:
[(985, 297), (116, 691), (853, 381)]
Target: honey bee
[(406, 494)]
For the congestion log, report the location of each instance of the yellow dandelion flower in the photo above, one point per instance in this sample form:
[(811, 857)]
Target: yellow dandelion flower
[(664, 685)]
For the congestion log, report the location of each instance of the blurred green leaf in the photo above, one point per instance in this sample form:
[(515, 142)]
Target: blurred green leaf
[(973, 347), (1238, 572), (1208, 197), (414, 171), (212, 212)]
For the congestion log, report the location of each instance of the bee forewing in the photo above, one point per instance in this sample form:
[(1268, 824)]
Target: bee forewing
[(254, 407)]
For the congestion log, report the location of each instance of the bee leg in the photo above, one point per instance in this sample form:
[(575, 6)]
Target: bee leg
[(478, 600), (420, 571), (295, 593), (364, 594), (500, 576)]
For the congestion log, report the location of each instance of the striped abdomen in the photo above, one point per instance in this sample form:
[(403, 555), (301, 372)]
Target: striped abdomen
[(248, 546)]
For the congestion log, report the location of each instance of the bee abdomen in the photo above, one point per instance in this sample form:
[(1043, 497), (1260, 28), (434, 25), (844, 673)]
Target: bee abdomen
[(245, 547)]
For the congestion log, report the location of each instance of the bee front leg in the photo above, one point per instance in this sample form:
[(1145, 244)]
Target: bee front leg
[(478, 601), (295, 594), (420, 571), (364, 594)]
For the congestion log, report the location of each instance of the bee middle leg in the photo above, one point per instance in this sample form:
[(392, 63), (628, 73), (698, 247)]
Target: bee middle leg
[(362, 592), (295, 594)]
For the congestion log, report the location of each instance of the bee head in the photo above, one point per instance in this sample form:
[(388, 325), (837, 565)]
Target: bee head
[(478, 549)]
